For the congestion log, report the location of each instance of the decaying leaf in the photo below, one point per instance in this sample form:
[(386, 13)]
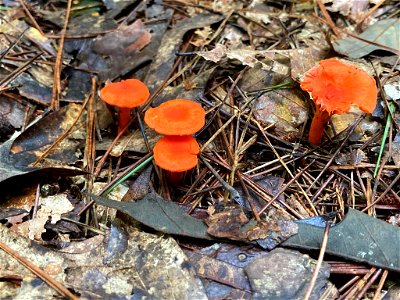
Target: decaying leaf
[(227, 224), (233, 224), (51, 208), (164, 60), (155, 212), (219, 271), (17, 26), (383, 35), (285, 274), (358, 237), (285, 110), (13, 176), (122, 47), (97, 269), (32, 89), (51, 262), (32, 143)]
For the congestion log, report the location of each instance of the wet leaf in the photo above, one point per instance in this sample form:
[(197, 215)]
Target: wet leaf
[(12, 116), (198, 86), (122, 46), (36, 139), (285, 274), (164, 60), (219, 271), (161, 215), (383, 35), (32, 89), (11, 172), (363, 131), (233, 224), (285, 110), (358, 237)]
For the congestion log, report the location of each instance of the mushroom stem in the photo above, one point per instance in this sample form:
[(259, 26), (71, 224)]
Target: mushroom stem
[(124, 116), (318, 123), (175, 177)]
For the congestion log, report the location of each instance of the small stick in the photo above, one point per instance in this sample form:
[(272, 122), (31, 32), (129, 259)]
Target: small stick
[(377, 295), (368, 284), (319, 262), (38, 272), (55, 98)]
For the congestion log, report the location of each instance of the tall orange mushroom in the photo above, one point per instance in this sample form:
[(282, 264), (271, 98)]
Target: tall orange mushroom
[(126, 95), (176, 154), (176, 117), (336, 86)]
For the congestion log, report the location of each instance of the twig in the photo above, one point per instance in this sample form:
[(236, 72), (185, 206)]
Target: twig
[(234, 194), (16, 72), (368, 284), (319, 262), (59, 140), (336, 152), (55, 97), (328, 17), (26, 10), (377, 295), (283, 189), (286, 167)]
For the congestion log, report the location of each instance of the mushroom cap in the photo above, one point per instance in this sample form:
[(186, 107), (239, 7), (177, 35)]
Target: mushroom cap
[(176, 153), (335, 86), (176, 117), (128, 93)]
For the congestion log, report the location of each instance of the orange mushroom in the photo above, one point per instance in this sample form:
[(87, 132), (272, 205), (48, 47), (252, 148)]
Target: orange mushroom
[(176, 154), (335, 86), (176, 117), (126, 95)]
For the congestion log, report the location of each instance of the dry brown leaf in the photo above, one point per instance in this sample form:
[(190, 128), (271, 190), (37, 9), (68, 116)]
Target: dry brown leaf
[(50, 208)]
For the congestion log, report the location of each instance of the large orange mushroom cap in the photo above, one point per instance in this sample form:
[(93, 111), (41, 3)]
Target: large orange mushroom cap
[(176, 117), (128, 93), (335, 86), (176, 153)]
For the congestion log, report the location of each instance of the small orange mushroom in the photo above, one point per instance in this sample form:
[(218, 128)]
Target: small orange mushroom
[(176, 117), (335, 86), (176, 154), (126, 95)]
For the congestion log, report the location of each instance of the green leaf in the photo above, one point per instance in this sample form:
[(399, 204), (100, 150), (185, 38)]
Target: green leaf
[(358, 237), (161, 215), (383, 35)]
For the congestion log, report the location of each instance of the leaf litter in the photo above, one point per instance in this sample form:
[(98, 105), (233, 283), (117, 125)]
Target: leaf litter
[(258, 186)]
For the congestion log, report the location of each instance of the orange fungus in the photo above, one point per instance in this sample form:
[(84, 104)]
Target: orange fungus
[(176, 153), (125, 95), (336, 86), (176, 117)]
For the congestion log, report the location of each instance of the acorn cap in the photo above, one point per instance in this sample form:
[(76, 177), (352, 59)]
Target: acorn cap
[(176, 117), (176, 153)]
